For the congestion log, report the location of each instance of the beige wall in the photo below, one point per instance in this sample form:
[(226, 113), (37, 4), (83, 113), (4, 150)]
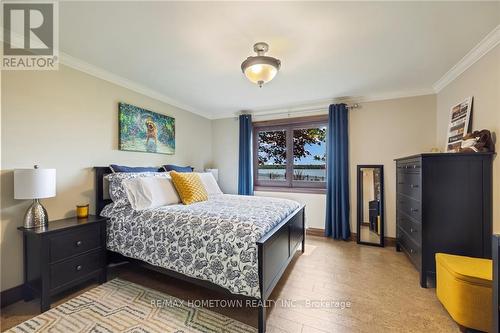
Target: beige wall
[(68, 120), (225, 141), (378, 132), (381, 131), (481, 80)]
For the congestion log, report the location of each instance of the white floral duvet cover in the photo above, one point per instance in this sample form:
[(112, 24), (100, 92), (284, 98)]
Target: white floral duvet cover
[(213, 240)]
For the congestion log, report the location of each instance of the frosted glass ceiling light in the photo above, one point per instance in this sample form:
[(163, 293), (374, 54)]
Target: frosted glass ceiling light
[(260, 69)]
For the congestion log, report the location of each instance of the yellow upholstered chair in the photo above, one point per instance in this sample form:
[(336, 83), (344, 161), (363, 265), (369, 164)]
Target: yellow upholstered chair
[(464, 287)]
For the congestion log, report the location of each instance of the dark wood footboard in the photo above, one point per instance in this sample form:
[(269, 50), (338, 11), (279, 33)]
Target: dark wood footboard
[(275, 250)]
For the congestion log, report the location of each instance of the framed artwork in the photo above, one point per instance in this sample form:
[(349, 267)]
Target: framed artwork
[(145, 131), (459, 124)]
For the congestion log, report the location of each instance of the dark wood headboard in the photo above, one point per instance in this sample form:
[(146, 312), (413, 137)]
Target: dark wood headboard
[(101, 191)]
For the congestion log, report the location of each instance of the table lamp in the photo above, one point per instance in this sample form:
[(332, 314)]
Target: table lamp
[(35, 184)]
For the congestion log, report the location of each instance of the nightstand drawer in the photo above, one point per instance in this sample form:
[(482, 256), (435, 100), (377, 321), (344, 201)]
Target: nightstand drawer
[(75, 268), (74, 242)]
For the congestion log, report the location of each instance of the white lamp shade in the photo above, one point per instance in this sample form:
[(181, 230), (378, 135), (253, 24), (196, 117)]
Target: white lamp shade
[(34, 183)]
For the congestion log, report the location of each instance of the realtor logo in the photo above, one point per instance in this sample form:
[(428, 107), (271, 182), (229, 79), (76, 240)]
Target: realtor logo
[(30, 36)]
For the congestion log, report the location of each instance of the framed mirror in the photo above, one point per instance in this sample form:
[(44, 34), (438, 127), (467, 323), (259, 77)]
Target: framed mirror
[(370, 228)]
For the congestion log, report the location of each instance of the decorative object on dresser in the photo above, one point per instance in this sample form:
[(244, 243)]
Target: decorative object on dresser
[(496, 283), (459, 124), (35, 184), (370, 226), (478, 141), (443, 204), (61, 255)]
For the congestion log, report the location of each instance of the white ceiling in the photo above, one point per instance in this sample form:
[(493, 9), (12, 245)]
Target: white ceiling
[(191, 52)]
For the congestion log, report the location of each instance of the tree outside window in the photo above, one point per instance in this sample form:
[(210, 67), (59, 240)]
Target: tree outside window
[(291, 155)]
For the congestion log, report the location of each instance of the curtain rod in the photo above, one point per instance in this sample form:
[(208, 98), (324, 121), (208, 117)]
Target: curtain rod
[(291, 112)]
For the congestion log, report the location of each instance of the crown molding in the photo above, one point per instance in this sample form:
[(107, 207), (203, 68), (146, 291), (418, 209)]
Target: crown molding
[(323, 104), (487, 44), (105, 75), (102, 74)]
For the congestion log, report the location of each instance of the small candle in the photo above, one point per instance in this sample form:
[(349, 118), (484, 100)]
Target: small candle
[(82, 211)]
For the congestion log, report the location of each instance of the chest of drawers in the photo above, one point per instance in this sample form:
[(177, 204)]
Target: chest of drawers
[(65, 253), (443, 204)]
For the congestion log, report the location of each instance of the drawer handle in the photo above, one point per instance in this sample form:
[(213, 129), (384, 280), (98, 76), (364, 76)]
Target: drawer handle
[(414, 210), (401, 183), (79, 243), (412, 230), (413, 185), (79, 267)]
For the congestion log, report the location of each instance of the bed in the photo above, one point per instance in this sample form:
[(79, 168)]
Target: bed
[(240, 245)]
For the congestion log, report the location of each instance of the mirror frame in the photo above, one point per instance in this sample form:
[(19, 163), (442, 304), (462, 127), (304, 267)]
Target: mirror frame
[(360, 203)]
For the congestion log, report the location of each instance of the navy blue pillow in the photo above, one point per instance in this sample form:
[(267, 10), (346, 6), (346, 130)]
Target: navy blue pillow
[(123, 168), (172, 167)]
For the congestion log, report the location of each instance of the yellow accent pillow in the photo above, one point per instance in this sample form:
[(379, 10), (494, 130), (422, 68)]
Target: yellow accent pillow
[(189, 187)]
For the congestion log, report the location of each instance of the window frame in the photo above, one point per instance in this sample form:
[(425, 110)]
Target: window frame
[(288, 125)]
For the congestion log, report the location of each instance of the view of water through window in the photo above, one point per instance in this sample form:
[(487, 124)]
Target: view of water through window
[(309, 155)]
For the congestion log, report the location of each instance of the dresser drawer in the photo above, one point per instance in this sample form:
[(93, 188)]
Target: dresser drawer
[(412, 249), (409, 207), (409, 184), (412, 228), (74, 242), (409, 166), (75, 268)]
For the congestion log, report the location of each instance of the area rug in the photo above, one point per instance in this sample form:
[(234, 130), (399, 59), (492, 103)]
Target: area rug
[(122, 306)]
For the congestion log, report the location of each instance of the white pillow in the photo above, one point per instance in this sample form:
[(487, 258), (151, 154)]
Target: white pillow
[(150, 192), (208, 180)]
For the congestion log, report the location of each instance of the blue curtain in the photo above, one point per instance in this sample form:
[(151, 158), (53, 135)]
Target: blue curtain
[(245, 181), (337, 174)]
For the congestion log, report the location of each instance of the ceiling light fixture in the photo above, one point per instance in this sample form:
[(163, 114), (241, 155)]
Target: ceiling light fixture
[(260, 69)]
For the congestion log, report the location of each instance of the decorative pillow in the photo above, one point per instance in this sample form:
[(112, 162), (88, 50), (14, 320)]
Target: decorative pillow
[(208, 180), (123, 168), (117, 191), (189, 187), (150, 192), (171, 167)]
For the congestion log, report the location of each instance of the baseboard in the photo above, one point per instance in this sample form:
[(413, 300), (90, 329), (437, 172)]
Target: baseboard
[(388, 241), (10, 296), (315, 232)]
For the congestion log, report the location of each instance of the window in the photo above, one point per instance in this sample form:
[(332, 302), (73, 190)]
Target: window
[(290, 154)]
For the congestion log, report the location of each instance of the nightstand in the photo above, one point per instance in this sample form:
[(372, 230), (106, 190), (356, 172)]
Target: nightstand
[(65, 253)]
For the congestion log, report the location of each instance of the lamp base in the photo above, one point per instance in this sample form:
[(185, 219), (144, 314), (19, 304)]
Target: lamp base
[(36, 216)]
